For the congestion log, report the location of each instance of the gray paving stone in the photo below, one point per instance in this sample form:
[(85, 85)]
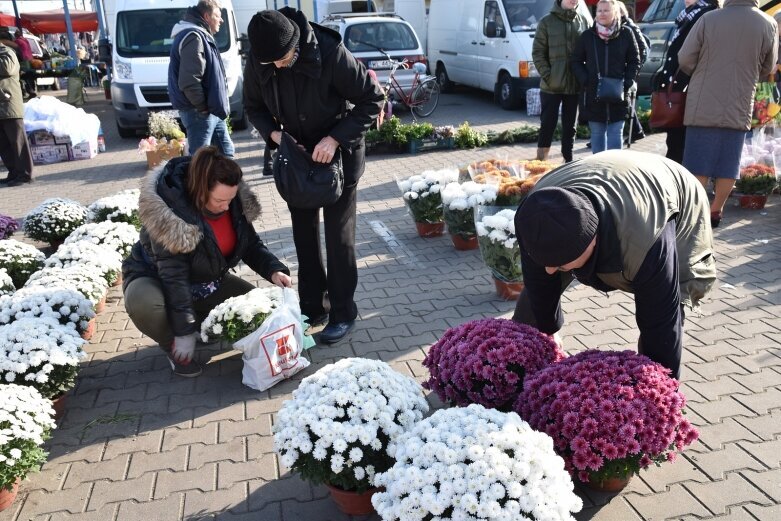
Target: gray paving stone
[(83, 472), (734, 490), (142, 462), (768, 452), (233, 450), (105, 492), (230, 473), (169, 508), (70, 501), (766, 427), (202, 503), (202, 479), (716, 464), (672, 503)]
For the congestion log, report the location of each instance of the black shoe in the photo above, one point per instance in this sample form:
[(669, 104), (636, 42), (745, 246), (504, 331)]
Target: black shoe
[(588, 144), (335, 331), (189, 370), (19, 181), (638, 137), (5, 181), (267, 172)]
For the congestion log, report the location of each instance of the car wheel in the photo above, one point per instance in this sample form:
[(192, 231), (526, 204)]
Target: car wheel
[(445, 85), (510, 96), (240, 123), (126, 132)]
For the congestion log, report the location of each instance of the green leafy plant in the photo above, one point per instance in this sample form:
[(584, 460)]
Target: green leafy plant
[(467, 137)]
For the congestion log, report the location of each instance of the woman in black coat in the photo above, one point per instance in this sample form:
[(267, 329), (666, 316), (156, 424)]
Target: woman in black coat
[(300, 78), (676, 137), (197, 218), (609, 50)]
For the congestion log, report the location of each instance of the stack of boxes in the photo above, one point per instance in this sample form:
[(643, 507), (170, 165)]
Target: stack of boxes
[(49, 148)]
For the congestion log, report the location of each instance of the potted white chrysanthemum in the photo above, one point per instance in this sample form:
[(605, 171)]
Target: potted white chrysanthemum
[(20, 260), (459, 202), (67, 306), (26, 419), (106, 260), (6, 283), (421, 194), (118, 236), (237, 317), (337, 427), (84, 278), (42, 353), (475, 463), (54, 219), (495, 227), (120, 207)]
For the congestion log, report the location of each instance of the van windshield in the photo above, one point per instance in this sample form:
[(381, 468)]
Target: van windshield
[(148, 32), (524, 15)]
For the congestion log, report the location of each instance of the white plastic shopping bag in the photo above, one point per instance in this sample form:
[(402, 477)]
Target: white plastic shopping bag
[(273, 352)]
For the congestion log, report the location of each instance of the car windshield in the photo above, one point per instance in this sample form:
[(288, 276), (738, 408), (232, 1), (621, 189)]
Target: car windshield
[(523, 15), (388, 36), (663, 11), (148, 32)]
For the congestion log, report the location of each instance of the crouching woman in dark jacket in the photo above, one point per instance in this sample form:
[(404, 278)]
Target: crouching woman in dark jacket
[(197, 218), (299, 77)]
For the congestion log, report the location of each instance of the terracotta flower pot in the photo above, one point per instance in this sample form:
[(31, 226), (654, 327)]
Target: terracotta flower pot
[(753, 202), (7, 497), (101, 305), (508, 290), (56, 243), (117, 282), (353, 503), (58, 403), (610, 485), (462, 244), (90, 331), (427, 230)]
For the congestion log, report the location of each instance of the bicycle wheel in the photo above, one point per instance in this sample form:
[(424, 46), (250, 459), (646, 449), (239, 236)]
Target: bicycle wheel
[(425, 98)]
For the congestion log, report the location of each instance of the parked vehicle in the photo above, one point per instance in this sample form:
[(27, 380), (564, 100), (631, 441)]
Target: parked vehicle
[(658, 25), (368, 36), (141, 46), (487, 44)]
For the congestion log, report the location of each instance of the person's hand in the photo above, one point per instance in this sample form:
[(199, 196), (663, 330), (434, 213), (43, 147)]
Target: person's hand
[(281, 279), (184, 348), (276, 137), (325, 150), (559, 341)]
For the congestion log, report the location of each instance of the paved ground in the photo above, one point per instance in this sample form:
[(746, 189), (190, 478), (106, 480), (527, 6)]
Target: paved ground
[(137, 443)]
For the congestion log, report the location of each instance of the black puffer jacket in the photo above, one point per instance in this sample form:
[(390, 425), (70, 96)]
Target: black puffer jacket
[(179, 248), (623, 61), (313, 92)]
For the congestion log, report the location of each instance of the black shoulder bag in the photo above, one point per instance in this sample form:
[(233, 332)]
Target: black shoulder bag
[(609, 90), (301, 182)]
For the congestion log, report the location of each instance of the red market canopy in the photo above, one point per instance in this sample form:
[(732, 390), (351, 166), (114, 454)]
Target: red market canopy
[(53, 22)]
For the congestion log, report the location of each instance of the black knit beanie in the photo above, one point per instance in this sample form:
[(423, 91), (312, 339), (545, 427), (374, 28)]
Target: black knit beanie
[(555, 225), (271, 35)]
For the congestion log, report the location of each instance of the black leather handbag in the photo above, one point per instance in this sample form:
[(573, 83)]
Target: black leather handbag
[(303, 183), (609, 90)]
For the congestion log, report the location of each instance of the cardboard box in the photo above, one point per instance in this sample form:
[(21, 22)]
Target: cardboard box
[(155, 157), (41, 137), (47, 154), (83, 150)]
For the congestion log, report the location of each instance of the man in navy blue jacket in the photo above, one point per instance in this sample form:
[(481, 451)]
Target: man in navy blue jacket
[(197, 83)]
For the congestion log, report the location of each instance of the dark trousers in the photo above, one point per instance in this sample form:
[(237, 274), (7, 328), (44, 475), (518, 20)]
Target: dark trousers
[(676, 140), (145, 305), (549, 117), (14, 149), (333, 292)]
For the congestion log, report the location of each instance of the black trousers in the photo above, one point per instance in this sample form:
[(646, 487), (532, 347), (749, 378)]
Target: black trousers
[(676, 139), (334, 292), (15, 150), (550, 116)]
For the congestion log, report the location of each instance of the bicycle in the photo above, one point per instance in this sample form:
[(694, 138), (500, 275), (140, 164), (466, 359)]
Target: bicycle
[(423, 95)]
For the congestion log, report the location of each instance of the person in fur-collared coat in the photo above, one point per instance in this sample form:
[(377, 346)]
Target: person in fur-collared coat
[(197, 218)]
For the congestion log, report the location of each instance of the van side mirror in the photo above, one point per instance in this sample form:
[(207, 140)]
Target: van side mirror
[(490, 29), (243, 45), (104, 50)]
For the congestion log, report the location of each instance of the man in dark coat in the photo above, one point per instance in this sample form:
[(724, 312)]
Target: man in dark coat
[(14, 148), (299, 77)]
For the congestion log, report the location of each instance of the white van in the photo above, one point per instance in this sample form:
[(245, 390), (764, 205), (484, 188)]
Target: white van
[(141, 46), (487, 44)]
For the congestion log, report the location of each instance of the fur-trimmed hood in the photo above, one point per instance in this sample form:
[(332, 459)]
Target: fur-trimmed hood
[(167, 214)]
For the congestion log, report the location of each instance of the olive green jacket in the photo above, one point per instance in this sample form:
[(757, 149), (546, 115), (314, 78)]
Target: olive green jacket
[(643, 192), (11, 103), (555, 39)]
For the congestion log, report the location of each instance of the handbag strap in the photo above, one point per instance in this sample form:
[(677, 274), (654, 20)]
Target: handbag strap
[(275, 88), (596, 56)]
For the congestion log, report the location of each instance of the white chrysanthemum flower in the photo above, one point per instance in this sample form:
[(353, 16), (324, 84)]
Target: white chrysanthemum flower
[(6, 283), (120, 207), (83, 252), (54, 219), (243, 313), (66, 306), (20, 260), (481, 483), (118, 236), (83, 278)]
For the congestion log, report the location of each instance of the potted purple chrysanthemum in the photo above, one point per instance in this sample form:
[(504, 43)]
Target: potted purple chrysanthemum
[(610, 414), (8, 225), (485, 362)]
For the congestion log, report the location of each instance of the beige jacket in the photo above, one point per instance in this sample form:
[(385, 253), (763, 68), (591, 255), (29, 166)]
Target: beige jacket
[(726, 54)]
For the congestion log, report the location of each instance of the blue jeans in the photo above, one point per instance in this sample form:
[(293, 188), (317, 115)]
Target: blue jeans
[(206, 130), (606, 136)]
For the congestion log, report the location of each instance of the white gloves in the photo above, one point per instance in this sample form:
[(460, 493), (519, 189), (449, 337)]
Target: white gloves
[(184, 348)]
